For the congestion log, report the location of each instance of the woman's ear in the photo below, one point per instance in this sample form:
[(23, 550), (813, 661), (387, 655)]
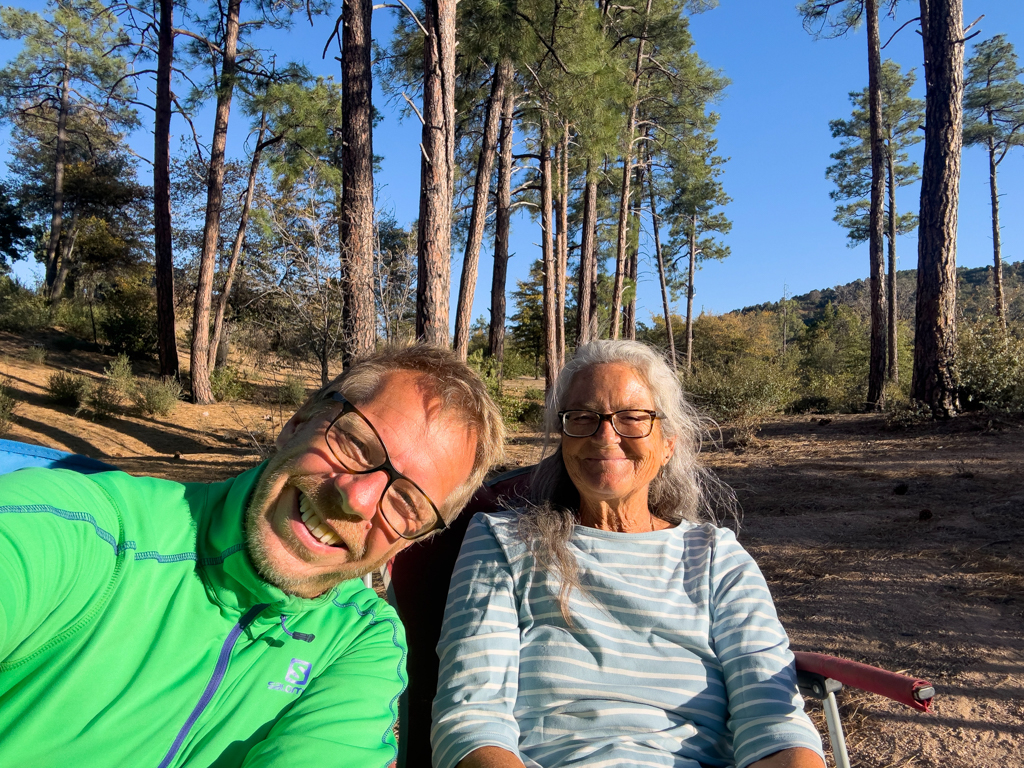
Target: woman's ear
[(670, 449)]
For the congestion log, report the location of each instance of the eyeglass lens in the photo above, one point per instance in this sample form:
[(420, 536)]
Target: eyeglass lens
[(625, 423), (358, 449)]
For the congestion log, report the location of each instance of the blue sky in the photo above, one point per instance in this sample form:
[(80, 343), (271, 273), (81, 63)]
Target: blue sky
[(785, 88)]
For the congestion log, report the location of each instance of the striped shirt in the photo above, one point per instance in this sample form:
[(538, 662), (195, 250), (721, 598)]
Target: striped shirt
[(676, 656)]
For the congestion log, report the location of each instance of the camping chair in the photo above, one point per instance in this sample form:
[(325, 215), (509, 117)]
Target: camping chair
[(418, 588)]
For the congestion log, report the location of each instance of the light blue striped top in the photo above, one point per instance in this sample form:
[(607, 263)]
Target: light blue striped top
[(676, 657)]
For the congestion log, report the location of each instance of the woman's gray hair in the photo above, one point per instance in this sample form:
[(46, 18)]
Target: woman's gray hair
[(683, 490)]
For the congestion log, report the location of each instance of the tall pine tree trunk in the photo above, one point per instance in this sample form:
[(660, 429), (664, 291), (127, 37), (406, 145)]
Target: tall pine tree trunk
[(661, 275), (236, 248), (561, 276), (200, 353), (57, 214), (629, 311), (68, 236), (876, 227), (437, 173), (547, 250), (997, 267), (689, 295), (167, 343), (478, 217), (502, 220), (586, 284), (627, 163), (359, 312), (892, 371), (935, 326)]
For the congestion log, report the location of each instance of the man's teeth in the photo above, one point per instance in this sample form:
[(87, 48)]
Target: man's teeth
[(314, 524)]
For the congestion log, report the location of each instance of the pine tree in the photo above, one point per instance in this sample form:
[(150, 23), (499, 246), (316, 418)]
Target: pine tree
[(902, 119), (994, 119)]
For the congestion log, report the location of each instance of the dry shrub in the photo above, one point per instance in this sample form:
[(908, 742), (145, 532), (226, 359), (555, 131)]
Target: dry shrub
[(8, 405), (157, 397), (69, 388)]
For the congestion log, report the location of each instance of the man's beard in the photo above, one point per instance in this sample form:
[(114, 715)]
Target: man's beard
[(257, 528)]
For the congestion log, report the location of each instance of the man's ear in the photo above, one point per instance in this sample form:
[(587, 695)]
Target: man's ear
[(290, 428)]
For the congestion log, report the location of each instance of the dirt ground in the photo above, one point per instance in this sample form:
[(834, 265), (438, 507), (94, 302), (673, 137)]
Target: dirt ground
[(902, 549)]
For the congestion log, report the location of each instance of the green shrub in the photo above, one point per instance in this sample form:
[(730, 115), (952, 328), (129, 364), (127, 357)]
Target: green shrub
[(103, 400), (8, 405), (157, 397), (834, 362), (990, 367), (227, 383), (21, 310), (532, 393), (35, 355), (68, 388), (73, 318), (120, 376), (292, 391), (129, 322), (745, 392)]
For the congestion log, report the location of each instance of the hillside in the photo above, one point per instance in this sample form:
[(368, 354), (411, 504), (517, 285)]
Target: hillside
[(974, 297)]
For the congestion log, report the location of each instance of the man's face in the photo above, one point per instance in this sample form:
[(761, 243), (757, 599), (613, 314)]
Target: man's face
[(431, 448)]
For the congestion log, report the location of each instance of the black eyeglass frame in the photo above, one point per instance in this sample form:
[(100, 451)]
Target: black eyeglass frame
[(603, 417), (387, 468)]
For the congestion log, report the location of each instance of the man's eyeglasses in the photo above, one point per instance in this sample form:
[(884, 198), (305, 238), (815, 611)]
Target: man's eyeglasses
[(632, 423), (359, 450)]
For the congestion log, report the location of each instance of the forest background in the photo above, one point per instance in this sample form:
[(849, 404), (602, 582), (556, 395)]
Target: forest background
[(767, 143)]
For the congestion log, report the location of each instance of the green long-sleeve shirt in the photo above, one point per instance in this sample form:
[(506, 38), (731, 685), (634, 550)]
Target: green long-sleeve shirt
[(135, 631)]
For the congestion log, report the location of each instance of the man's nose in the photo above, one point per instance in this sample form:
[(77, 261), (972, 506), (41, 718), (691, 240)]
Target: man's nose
[(361, 493)]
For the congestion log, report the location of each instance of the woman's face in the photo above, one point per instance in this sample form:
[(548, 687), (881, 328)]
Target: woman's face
[(605, 466)]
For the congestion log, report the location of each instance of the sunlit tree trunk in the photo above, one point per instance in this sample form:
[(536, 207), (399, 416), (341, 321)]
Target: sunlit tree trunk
[(586, 284), (236, 248), (359, 315), (562, 265), (661, 276), (57, 214), (167, 343), (997, 267), (892, 371), (502, 217), (437, 173), (200, 353), (689, 294), (876, 228), (548, 251), (478, 216), (935, 330)]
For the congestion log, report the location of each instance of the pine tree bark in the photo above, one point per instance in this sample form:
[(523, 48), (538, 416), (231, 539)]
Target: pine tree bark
[(437, 173), (478, 216), (359, 312), (563, 244), (200, 353), (548, 254), (689, 295), (236, 248), (935, 326), (627, 164), (997, 267), (167, 343), (876, 227), (586, 284), (629, 311), (892, 371), (57, 214), (661, 277), (67, 248), (502, 221)]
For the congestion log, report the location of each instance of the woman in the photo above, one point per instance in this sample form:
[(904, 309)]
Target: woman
[(606, 625)]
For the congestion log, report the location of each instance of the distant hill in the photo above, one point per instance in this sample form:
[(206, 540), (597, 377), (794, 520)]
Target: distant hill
[(974, 296)]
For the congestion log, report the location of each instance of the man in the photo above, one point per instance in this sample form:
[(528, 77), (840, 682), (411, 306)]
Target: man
[(147, 622)]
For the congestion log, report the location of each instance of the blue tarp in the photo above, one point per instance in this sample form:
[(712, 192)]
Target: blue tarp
[(15, 455)]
